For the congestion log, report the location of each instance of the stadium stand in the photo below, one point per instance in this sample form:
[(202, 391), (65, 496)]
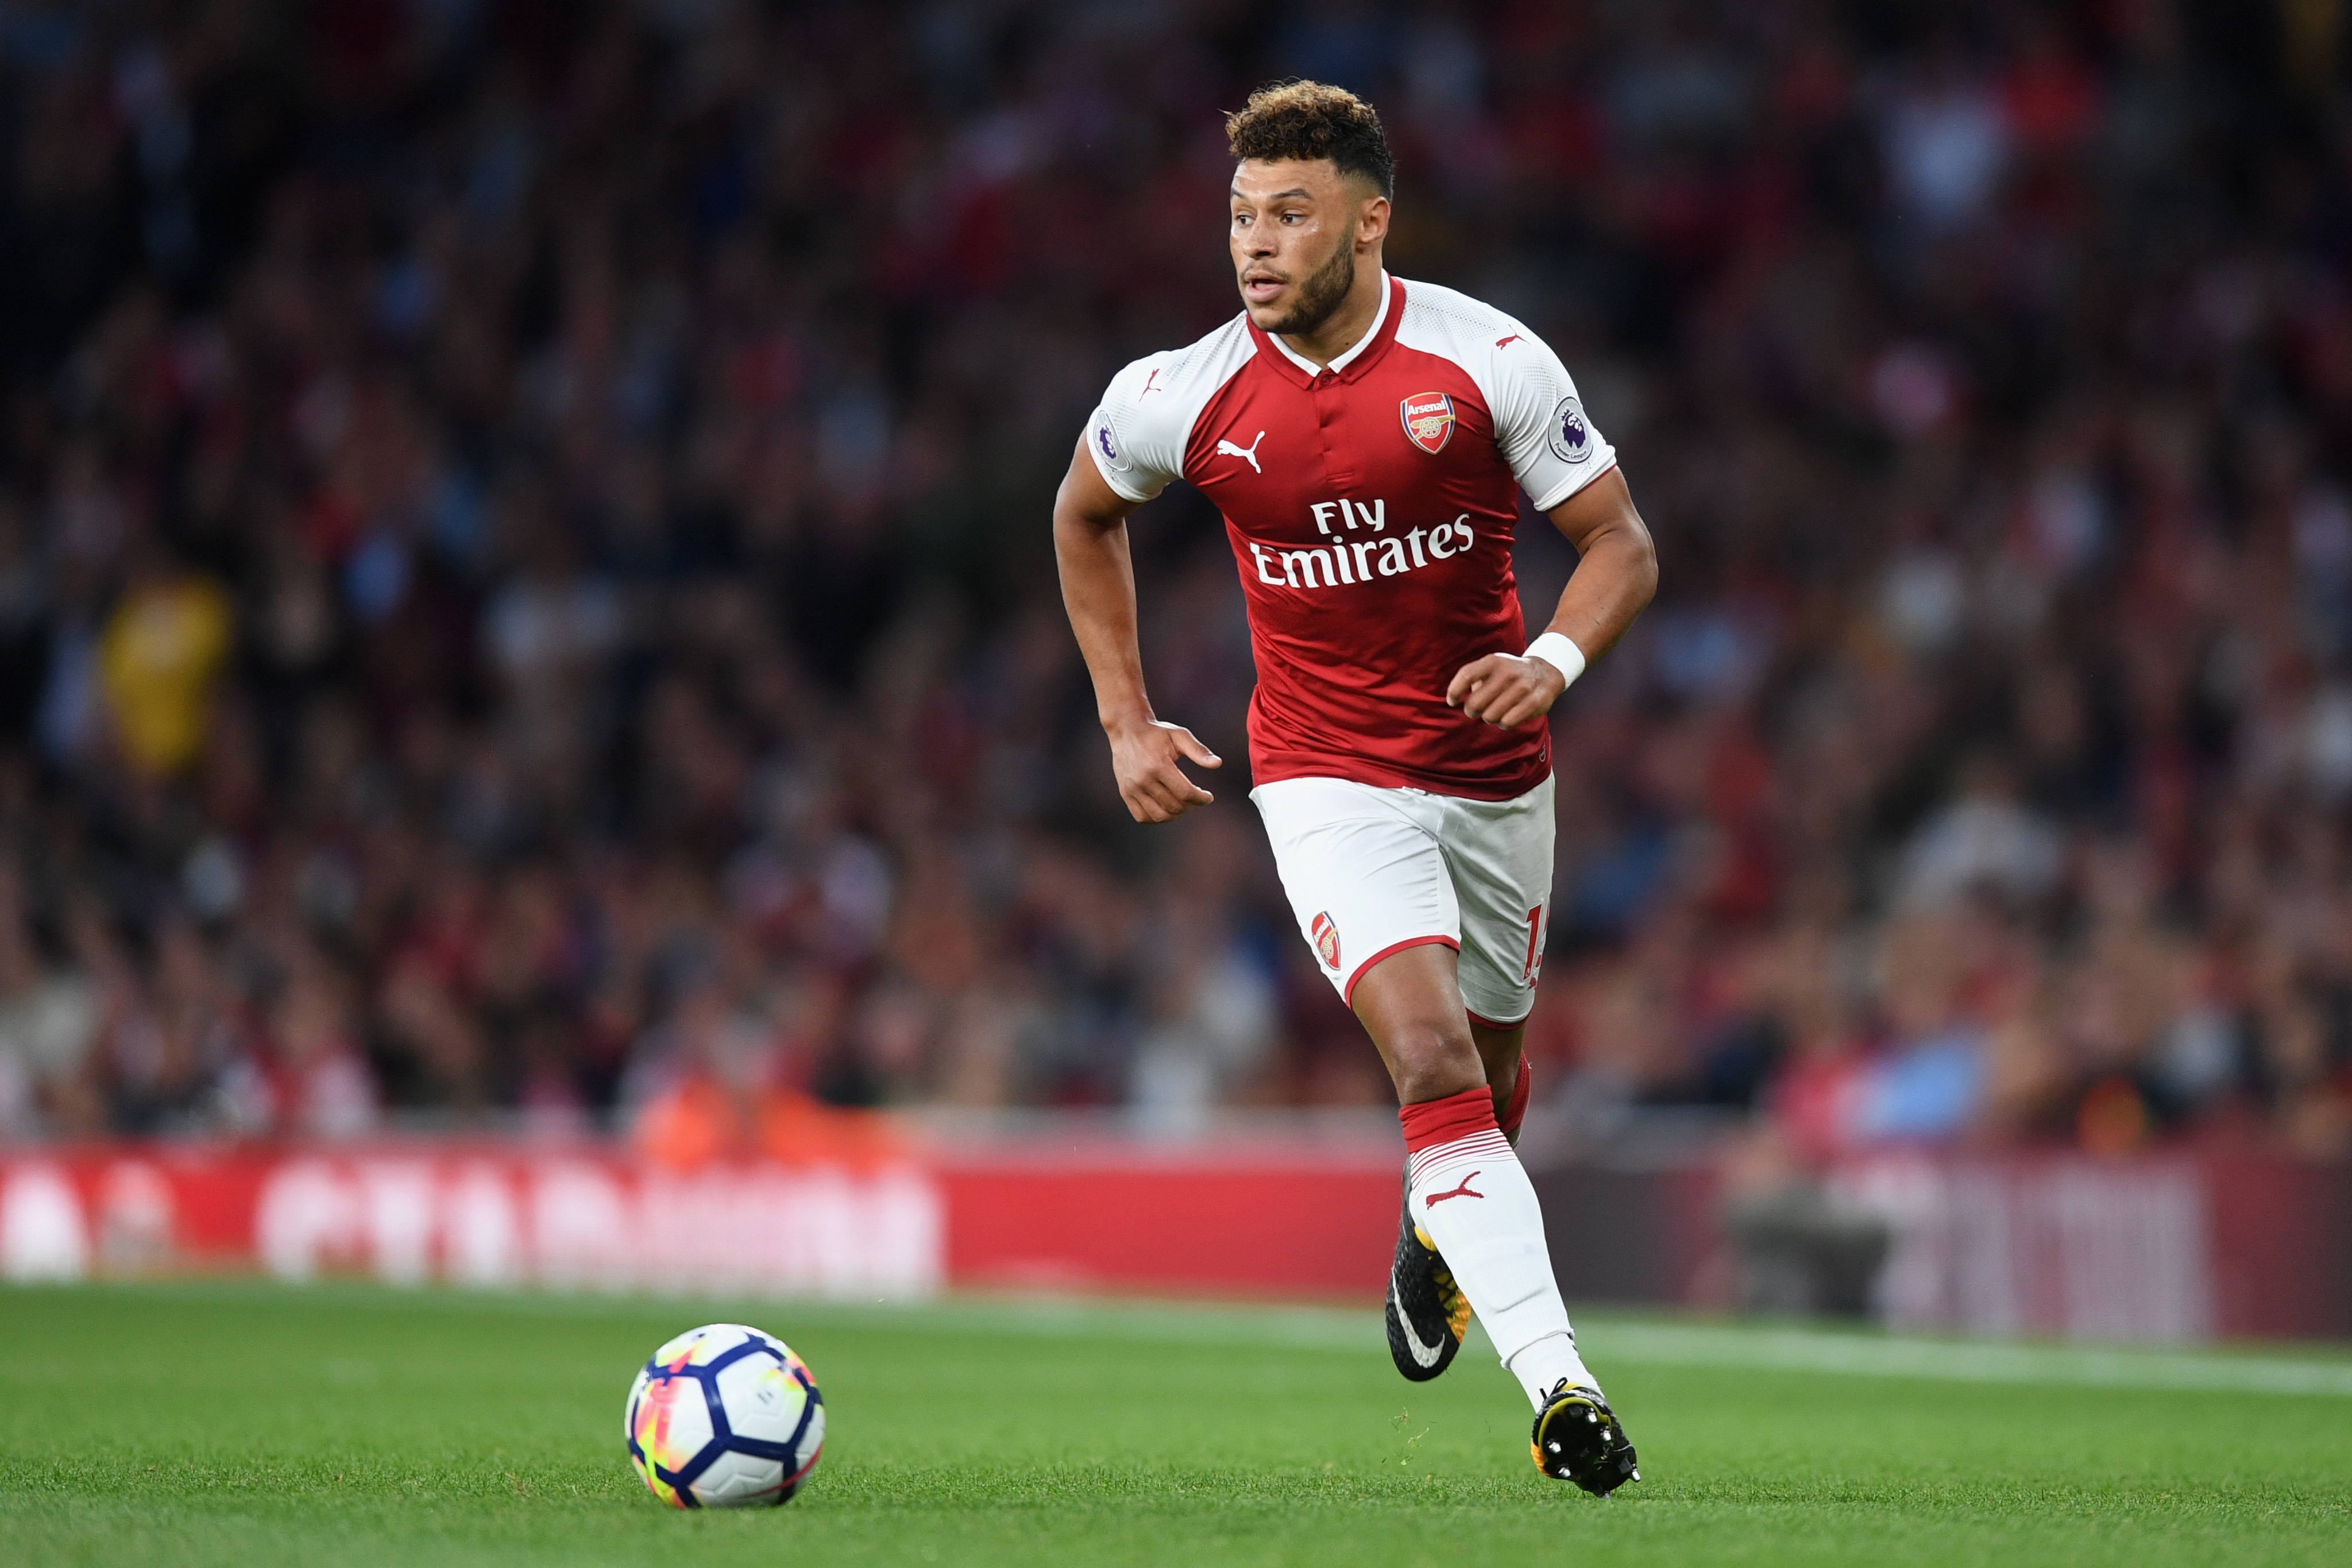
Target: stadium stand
[(524, 594)]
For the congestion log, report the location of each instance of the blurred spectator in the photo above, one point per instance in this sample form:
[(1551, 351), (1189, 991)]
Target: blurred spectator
[(49, 1022), (157, 657), (318, 1084), (1983, 841)]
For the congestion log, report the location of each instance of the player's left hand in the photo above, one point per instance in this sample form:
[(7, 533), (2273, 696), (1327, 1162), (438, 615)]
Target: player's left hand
[(1505, 690)]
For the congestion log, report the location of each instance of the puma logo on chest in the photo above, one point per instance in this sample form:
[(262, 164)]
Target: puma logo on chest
[(1247, 453)]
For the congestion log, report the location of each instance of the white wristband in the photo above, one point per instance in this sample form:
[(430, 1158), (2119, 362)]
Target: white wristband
[(1560, 652)]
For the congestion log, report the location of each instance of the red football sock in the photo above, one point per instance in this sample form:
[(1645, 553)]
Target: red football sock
[(1457, 1116)]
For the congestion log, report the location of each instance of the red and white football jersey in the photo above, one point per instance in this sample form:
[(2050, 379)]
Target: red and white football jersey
[(1371, 506)]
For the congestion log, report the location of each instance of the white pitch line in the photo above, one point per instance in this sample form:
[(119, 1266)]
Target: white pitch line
[(1793, 1350), (1608, 1340)]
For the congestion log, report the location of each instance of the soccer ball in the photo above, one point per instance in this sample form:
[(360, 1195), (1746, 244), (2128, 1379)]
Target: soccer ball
[(725, 1416)]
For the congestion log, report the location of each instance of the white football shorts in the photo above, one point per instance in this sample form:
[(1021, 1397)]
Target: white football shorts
[(1370, 871)]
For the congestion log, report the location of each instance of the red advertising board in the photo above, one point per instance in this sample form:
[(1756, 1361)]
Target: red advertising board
[(1096, 1219), (1304, 1223), (2176, 1247)]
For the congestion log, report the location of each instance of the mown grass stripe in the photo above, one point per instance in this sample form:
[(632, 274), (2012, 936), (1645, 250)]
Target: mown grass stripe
[(1607, 1336)]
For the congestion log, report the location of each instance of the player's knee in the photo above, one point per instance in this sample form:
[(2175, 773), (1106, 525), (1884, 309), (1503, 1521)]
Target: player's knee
[(1432, 1061)]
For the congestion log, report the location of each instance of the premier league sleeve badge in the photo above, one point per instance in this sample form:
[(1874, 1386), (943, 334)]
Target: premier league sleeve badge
[(1570, 436)]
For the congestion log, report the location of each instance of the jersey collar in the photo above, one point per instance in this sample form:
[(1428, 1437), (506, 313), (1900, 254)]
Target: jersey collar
[(1363, 349)]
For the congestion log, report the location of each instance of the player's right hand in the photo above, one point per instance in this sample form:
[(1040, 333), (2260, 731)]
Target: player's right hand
[(1144, 756)]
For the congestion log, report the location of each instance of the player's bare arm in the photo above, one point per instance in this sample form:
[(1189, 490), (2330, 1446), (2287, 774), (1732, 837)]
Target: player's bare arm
[(1098, 590), (1616, 574)]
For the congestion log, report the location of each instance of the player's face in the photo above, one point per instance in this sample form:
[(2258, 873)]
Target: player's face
[(1295, 226)]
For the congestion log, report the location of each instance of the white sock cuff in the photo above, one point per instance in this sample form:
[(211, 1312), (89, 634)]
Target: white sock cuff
[(1541, 1366), (1487, 1146)]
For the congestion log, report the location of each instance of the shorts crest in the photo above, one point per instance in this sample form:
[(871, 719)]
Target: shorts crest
[(1428, 420), (1327, 939)]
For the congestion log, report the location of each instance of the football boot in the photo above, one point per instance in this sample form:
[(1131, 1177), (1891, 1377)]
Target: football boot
[(1578, 1439), (1427, 1313)]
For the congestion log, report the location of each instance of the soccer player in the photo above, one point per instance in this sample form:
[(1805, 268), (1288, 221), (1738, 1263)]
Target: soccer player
[(1366, 439)]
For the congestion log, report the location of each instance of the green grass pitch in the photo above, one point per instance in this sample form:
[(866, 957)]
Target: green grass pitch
[(248, 1425)]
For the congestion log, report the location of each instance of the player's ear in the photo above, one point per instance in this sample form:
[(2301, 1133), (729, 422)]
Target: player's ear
[(1373, 221)]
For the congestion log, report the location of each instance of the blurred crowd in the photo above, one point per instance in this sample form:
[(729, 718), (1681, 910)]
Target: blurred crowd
[(525, 595)]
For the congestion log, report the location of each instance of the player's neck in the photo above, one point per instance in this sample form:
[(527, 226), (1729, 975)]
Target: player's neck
[(1345, 327)]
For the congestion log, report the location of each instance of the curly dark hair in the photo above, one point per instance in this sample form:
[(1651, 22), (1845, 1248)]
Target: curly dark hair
[(1310, 121)]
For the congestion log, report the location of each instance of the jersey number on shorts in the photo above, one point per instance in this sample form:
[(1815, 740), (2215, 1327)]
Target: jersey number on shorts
[(1534, 934)]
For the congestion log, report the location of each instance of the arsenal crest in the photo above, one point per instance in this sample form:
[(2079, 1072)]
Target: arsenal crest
[(1428, 424), (1326, 935)]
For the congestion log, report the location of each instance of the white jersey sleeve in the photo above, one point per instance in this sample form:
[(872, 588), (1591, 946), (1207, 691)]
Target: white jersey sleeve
[(1138, 433), (1552, 447), (1136, 453), (1541, 424)]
